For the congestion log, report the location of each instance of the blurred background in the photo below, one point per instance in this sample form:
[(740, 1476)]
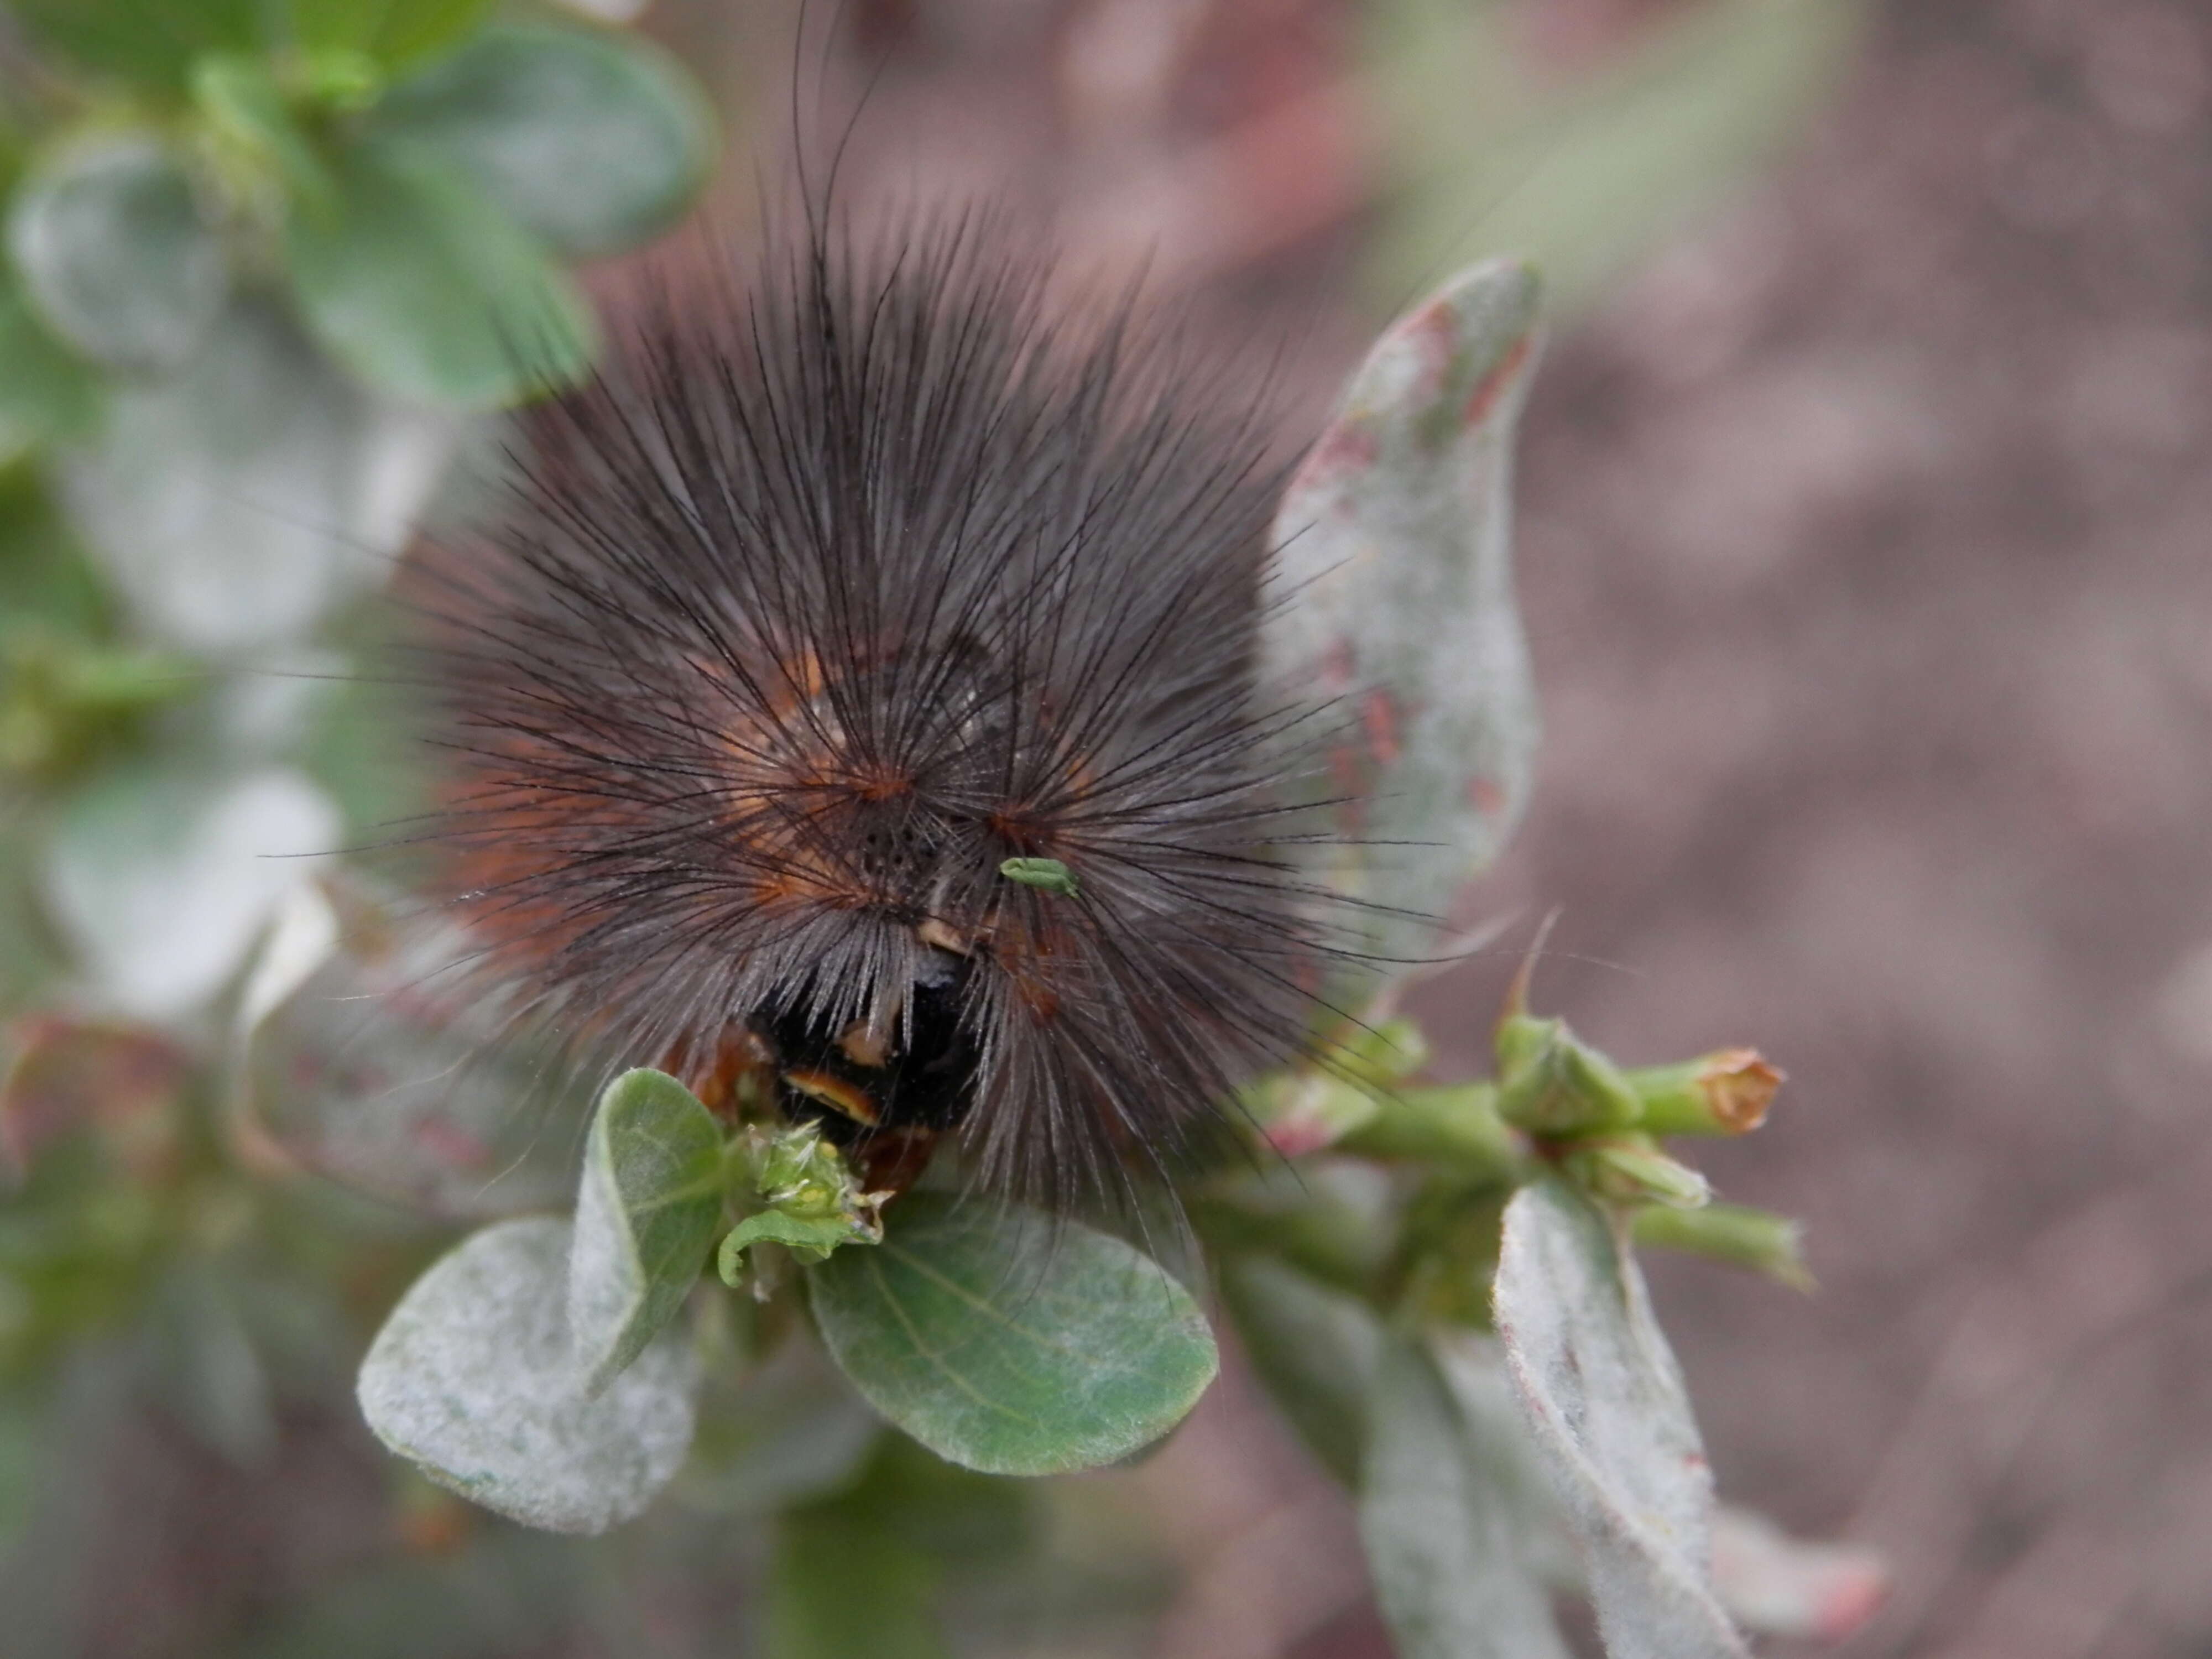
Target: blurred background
[(1864, 507)]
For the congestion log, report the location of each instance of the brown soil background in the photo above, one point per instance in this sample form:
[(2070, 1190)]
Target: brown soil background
[(1863, 552)]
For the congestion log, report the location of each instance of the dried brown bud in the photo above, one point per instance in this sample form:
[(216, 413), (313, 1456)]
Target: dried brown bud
[(1726, 1092)]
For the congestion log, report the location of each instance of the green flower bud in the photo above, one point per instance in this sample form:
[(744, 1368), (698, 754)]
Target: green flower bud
[(1757, 1239), (1632, 1169), (1552, 1083)]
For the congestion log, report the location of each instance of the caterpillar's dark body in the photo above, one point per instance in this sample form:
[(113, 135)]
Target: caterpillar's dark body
[(830, 597)]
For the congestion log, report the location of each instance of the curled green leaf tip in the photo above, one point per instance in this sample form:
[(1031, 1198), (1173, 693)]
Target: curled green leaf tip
[(1050, 874), (814, 1204)]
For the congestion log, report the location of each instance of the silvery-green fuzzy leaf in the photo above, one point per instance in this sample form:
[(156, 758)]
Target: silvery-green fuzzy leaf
[(470, 1378), (1314, 1349), (1393, 608), (1785, 1586), (161, 879), (1473, 1367), (420, 283), (235, 503), (366, 1055), (647, 1210), (1009, 1342), (1611, 1420), (117, 255), (1444, 1524), (592, 142)]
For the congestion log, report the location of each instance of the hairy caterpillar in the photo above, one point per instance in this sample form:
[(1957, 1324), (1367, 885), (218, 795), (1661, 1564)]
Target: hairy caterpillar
[(854, 712)]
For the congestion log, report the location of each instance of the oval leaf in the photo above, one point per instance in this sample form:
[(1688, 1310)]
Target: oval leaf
[(369, 1055), (236, 504), (646, 1213), (151, 41), (1445, 1526), (1606, 1404), (246, 106), (1784, 1586), (1009, 1342), (419, 283), (591, 142), (117, 256), (162, 880), (1392, 604), (469, 1379), (395, 33)]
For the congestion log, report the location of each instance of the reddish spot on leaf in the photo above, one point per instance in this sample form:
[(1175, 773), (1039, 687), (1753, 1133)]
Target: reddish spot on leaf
[(1343, 451), (1380, 715), (452, 1144), (1493, 385), (1435, 331), (1486, 795)]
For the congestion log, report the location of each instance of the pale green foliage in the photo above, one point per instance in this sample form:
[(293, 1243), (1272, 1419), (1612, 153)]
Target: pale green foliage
[(1394, 603), (1606, 1406), (645, 1211), (473, 1378)]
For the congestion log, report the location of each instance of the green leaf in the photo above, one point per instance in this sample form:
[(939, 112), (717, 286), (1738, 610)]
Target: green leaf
[(233, 505), (1394, 607), (1610, 1417), (423, 286), (116, 254), (45, 394), (1495, 151), (44, 574), (646, 1213), (1757, 1239), (161, 878), (471, 1379), (246, 109), (592, 142), (812, 1236), (395, 33), (1443, 1531), (1009, 1342), (150, 41)]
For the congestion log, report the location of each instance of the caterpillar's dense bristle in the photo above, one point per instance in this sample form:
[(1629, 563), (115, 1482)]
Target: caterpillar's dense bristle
[(830, 597)]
